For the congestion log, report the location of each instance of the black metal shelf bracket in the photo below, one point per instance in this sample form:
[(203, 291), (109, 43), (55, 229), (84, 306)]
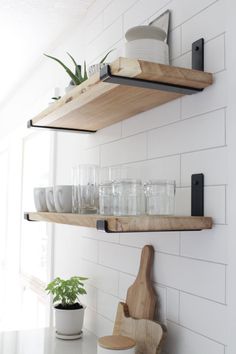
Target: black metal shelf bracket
[(198, 55), (102, 225), (197, 194), (70, 130), (26, 217), (107, 76), (197, 64)]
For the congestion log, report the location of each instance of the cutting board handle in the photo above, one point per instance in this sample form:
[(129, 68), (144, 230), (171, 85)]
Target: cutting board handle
[(144, 273), (141, 296)]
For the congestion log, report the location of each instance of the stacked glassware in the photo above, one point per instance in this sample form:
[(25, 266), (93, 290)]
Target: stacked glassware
[(114, 191)]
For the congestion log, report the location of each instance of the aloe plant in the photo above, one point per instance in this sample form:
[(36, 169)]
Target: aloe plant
[(77, 78), (104, 58)]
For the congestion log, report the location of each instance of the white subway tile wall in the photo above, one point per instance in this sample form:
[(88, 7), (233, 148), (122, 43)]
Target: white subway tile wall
[(172, 141)]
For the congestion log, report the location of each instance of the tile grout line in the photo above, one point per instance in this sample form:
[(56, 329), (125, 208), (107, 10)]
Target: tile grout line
[(198, 333)]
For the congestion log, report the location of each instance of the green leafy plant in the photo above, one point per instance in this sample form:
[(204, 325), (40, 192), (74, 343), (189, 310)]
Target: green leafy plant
[(76, 78), (66, 292)]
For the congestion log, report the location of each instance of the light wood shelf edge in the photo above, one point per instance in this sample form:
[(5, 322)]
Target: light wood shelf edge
[(143, 223)]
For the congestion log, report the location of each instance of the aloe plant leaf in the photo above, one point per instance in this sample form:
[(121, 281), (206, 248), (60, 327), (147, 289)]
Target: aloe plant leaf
[(72, 58), (69, 72), (104, 58), (78, 72), (85, 71), (77, 68)]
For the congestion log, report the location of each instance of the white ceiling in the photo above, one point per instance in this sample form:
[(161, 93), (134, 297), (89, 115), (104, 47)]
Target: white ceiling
[(27, 28)]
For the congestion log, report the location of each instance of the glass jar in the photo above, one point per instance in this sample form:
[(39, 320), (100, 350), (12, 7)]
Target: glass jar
[(105, 198), (160, 197), (127, 196)]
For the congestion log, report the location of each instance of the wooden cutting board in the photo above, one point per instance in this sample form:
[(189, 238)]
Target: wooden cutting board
[(141, 297), (148, 335)]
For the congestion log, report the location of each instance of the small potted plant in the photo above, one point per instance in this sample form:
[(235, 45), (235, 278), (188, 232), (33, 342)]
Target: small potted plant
[(77, 77), (69, 312)]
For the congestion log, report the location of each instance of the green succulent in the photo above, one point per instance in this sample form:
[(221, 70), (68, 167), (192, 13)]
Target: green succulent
[(66, 292), (77, 78)]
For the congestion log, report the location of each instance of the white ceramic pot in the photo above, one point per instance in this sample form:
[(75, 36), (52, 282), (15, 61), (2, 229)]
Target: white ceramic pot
[(69, 322), (69, 88), (152, 50)]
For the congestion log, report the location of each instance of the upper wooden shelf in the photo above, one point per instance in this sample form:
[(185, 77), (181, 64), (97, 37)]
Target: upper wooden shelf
[(143, 223), (128, 87)]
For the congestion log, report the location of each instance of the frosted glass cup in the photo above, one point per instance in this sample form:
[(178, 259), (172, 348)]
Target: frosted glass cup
[(127, 197), (87, 177), (160, 197), (105, 198)]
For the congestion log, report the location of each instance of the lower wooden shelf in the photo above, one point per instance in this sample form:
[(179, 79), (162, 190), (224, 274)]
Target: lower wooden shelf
[(143, 223)]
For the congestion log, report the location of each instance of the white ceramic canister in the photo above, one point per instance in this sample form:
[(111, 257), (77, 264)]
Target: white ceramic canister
[(115, 345), (147, 43)]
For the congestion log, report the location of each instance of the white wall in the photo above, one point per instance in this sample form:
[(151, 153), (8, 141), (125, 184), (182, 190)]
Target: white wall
[(172, 141)]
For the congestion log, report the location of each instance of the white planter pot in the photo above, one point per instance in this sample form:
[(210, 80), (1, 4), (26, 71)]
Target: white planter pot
[(69, 88), (69, 322)]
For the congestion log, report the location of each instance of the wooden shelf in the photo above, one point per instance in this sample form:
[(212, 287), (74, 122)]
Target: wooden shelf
[(142, 223), (96, 104)]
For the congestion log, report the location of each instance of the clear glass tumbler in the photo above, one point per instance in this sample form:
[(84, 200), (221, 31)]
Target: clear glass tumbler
[(75, 190), (127, 197), (160, 197), (87, 178), (105, 198)]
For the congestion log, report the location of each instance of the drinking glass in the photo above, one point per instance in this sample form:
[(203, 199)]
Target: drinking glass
[(127, 197), (87, 178), (75, 189), (105, 198), (160, 197)]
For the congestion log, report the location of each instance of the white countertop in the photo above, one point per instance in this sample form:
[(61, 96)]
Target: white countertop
[(43, 341)]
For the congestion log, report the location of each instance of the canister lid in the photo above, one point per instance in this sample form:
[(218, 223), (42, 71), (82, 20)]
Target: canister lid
[(145, 32), (116, 342)]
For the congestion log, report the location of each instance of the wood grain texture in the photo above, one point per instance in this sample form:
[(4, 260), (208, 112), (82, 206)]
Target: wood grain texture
[(128, 223), (94, 104), (148, 335), (141, 298), (116, 342)]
